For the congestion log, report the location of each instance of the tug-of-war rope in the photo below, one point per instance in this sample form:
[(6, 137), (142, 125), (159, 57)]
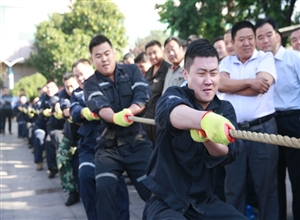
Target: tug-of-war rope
[(245, 135)]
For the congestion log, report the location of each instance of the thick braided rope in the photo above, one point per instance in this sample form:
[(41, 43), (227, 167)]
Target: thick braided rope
[(266, 138), (245, 135)]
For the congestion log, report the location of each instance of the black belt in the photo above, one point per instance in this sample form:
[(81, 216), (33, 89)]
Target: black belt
[(258, 121), (279, 114)]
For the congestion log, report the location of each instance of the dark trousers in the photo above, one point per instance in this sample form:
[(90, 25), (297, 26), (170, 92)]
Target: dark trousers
[(22, 129), (110, 164), (6, 114), (151, 133), (215, 209), (261, 161), (51, 145), (39, 144), (289, 159)]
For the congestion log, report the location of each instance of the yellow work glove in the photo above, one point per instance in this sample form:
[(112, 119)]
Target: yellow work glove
[(24, 110), (88, 115), (216, 127), (31, 115), (58, 115), (121, 118), (47, 112), (70, 120), (198, 135)]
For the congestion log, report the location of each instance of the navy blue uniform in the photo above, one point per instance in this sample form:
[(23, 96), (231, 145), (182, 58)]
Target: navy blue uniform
[(118, 148), (181, 171), (39, 129), (22, 119), (54, 128), (86, 151)]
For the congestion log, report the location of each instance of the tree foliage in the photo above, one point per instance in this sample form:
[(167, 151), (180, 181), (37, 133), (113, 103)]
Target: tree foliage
[(140, 43), (210, 18), (30, 84), (65, 37)]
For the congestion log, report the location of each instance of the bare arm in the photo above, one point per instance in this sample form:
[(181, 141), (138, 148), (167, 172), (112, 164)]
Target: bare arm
[(185, 118), (215, 149)]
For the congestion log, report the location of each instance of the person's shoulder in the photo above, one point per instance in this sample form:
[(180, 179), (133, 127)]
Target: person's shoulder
[(292, 53), (262, 54), (92, 78), (127, 66), (166, 64), (176, 90)]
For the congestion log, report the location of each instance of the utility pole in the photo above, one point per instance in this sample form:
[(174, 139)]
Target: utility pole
[(11, 79)]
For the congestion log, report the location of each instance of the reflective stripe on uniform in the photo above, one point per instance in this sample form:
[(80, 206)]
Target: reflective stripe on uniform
[(86, 164), (141, 178), (173, 97), (139, 84), (94, 94), (103, 84), (106, 175)]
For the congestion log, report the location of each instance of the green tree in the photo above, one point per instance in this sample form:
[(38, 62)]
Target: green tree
[(210, 18), (30, 84), (140, 43), (65, 37)]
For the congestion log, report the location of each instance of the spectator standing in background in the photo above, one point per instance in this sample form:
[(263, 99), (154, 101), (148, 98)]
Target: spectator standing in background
[(6, 110), (295, 39), (156, 78)]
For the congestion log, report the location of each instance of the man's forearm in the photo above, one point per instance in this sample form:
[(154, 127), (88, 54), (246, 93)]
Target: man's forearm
[(228, 85), (215, 149)]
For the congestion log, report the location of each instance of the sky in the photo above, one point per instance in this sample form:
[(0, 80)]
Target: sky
[(140, 16), (19, 24)]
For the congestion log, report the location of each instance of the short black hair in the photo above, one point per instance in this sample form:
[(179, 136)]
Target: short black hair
[(68, 76), (128, 55), (51, 81), (217, 39), (97, 40), (199, 48), (152, 43), (192, 37), (240, 25), (81, 60), (179, 41), (269, 20), (141, 57)]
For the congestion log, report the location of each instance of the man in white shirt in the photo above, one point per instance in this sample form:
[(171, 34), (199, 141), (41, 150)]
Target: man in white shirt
[(295, 39), (248, 81), (287, 105)]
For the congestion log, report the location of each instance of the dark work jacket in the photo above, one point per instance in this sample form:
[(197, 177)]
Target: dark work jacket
[(87, 128), (180, 170), (129, 87), (7, 99), (42, 104), (70, 129), (54, 123), (21, 116), (156, 84)]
